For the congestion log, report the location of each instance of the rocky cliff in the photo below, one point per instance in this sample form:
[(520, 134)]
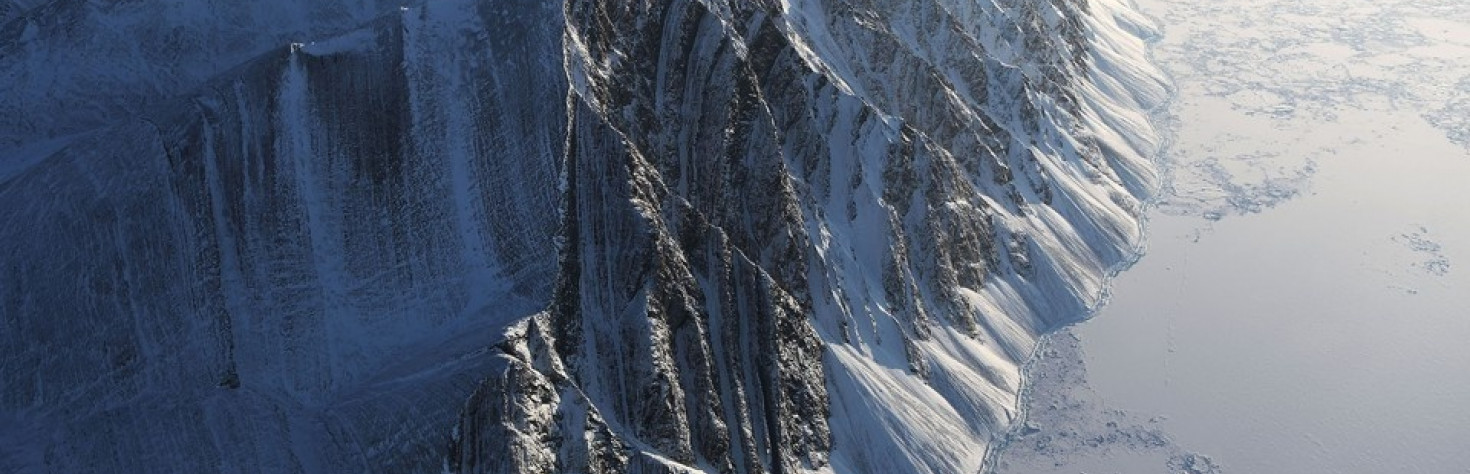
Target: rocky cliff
[(520, 236)]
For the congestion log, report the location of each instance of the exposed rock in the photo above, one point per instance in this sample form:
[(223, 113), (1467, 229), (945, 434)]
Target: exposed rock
[(516, 236)]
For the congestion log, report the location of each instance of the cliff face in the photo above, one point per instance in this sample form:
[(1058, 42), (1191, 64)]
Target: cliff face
[(70, 66), (513, 236), (818, 236), (298, 266)]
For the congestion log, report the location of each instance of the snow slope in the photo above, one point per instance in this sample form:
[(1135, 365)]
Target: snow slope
[(513, 236), (814, 236)]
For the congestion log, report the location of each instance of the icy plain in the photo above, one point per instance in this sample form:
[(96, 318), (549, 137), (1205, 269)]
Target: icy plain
[(1300, 307)]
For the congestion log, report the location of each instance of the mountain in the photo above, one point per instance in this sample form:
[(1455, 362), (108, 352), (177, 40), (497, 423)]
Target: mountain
[(520, 236)]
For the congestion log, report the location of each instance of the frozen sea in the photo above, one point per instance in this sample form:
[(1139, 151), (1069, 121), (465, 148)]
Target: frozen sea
[(1304, 302)]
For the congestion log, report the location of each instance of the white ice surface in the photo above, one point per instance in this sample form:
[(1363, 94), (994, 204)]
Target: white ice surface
[(1301, 307)]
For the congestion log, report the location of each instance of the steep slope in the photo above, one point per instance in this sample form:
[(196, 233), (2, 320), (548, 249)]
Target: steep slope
[(73, 65), (517, 236), (819, 236), (296, 268)]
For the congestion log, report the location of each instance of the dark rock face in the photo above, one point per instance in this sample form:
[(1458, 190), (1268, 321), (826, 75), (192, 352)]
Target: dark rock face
[(515, 236), (75, 65), (295, 268)]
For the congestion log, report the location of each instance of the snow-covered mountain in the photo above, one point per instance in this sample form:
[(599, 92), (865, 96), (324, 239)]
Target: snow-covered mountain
[(521, 236)]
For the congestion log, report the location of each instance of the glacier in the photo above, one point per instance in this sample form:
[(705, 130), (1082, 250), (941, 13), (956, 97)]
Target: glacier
[(519, 236)]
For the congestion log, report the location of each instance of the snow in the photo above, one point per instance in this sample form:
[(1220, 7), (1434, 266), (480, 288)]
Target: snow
[(305, 224), (945, 421), (1300, 307)]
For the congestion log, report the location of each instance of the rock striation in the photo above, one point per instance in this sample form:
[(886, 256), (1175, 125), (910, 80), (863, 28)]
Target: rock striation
[(512, 236)]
